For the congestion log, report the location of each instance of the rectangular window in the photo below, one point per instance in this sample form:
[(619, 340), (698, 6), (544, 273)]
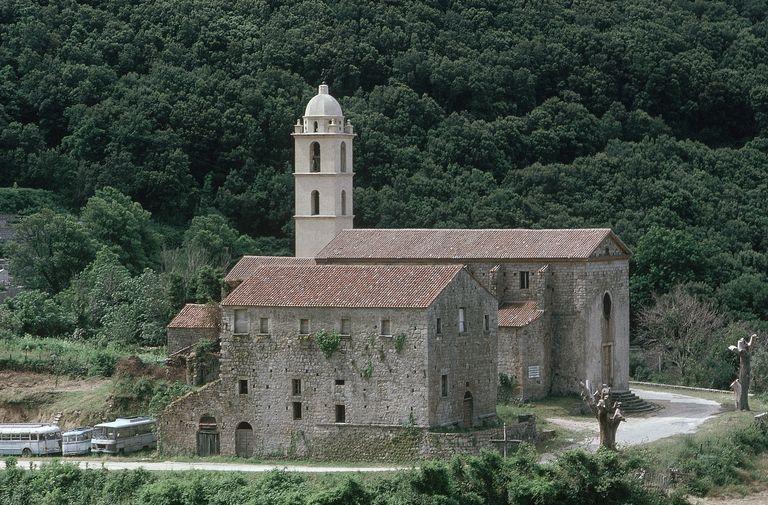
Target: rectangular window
[(524, 278), (296, 387), (462, 320), (439, 329), (241, 322), (296, 411), (264, 326), (341, 414), (304, 326), (346, 326), (385, 327), (243, 386), (487, 322), (444, 385), (339, 382)]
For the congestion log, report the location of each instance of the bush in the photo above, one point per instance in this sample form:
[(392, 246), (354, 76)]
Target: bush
[(506, 389), (328, 342)]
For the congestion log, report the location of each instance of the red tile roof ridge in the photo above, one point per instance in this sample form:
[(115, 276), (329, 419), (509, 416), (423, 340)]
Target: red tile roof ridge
[(351, 286)]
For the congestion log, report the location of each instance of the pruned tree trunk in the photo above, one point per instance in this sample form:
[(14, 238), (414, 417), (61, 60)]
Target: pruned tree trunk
[(741, 385), (608, 416)]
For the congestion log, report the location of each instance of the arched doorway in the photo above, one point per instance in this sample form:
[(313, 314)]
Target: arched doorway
[(207, 436), (244, 440), (606, 336), (468, 410)]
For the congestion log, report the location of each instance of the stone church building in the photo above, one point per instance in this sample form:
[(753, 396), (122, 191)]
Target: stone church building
[(376, 329)]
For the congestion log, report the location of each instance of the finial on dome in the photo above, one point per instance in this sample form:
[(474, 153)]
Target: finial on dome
[(322, 89)]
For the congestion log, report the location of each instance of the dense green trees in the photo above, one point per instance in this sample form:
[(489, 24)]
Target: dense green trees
[(576, 478), (649, 117)]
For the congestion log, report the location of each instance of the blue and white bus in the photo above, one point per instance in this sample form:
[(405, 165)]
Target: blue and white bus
[(76, 441), (124, 435), (29, 439)]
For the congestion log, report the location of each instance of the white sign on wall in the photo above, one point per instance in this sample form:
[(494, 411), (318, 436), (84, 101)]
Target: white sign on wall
[(534, 372)]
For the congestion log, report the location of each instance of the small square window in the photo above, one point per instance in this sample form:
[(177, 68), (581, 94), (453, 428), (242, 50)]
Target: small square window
[(346, 326), (296, 411), (296, 387), (243, 386), (439, 326), (386, 329), (462, 320), (241, 322), (487, 322), (264, 325), (524, 279), (304, 326), (444, 385), (341, 414)]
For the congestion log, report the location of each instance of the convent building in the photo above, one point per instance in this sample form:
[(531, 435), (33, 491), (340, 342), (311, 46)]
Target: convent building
[(374, 329)]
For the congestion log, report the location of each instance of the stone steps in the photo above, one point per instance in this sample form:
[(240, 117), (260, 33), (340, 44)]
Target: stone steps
[(633, 404)]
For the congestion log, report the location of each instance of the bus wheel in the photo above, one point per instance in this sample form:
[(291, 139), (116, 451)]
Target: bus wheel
[(26, 452)]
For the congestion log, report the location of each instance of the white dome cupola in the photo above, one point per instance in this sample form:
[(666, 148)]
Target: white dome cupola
[(323, 173), (323, 115), (323, 105)]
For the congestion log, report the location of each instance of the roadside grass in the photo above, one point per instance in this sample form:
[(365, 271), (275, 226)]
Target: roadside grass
[(727, 454), (545, 409)]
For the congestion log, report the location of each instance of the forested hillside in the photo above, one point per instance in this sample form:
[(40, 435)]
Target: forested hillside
[(648, 116)]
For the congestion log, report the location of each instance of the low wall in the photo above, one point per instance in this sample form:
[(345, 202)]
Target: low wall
[(343, 442)]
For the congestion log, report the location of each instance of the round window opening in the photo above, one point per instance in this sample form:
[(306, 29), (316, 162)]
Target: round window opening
[(607, 306)]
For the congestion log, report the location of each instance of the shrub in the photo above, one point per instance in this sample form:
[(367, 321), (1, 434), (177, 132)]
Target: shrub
[(506, 389), (328, 341), (399, 342)]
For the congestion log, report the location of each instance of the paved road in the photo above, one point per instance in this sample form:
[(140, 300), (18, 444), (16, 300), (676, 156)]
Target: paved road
[(165, 466), (680, 414)]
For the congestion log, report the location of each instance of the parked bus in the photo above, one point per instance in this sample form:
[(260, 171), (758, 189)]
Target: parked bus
[(29, 439), (124, 435), (76, 441)]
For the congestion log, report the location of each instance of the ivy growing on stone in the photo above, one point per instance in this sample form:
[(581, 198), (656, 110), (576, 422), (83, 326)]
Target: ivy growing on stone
[(368, 370), (328, 342), (399, 342)]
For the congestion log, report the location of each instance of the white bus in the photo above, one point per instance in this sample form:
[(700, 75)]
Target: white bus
[(29, 439), (124, 435), (76, 441)]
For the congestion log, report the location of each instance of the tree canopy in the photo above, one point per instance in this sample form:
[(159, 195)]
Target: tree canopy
[(649, 117)]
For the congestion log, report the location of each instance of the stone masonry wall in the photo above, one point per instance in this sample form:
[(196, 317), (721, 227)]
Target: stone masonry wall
[(179, 338), (527, 346), (377, 384), (467, 359)]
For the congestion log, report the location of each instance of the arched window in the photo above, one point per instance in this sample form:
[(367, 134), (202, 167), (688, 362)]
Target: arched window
[(314, 157), (343, 155), (315, 130), (315, 203), (607, 306), (343, 203)]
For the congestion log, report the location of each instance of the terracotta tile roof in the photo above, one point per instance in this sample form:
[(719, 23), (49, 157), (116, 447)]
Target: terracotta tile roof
[(247, 264), (194, 315), (375, 286), (519, 314), (444, 244)]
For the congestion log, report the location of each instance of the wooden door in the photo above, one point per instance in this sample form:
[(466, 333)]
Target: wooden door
[(244, 440), (207, 443), (607, 359), (468, 409)]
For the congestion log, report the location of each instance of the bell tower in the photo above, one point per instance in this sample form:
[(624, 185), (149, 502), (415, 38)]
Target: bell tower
[(323, 174)]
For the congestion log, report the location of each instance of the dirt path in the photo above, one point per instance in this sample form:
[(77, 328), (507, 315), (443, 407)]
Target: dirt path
[(37, 397), (754, 499), (178, 466), (679, 414)]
